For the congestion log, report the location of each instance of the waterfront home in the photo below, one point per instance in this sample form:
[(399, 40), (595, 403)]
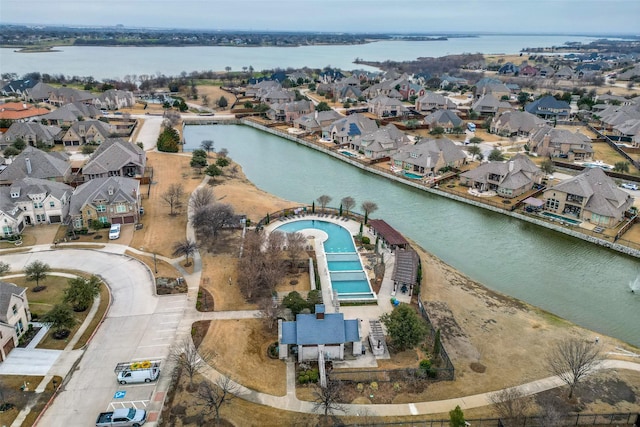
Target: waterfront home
[(18, 87), (515, 123), (31, 133), (112, 200), (316, 121), (262, 87), (87, 132), (65, 95), (489, 105), (446, 119), (508, 179), (382, 142), (114, 99), (38, 93), (429, 156), (14, 316), (319, 336), (383, 106), (116, 157), (39, 201), (289, 111), (591, 196), (20, 111), (432, 101), (71, 113), (549, 108), (35, 163), (573, 146), (347, 128), (277, 96)]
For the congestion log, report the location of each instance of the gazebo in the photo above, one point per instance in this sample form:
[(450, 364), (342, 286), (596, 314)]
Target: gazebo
[(405, 270), (389, 235)]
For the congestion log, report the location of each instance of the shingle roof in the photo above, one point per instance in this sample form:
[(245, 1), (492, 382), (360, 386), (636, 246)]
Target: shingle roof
[(443, 117), (43, 165), (405, 269), (124, 190), (113, 155), (7, 290), (389, 233), (426, 152)]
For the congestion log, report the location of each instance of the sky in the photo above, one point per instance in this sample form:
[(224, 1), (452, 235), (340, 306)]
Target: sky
[(389, 16)]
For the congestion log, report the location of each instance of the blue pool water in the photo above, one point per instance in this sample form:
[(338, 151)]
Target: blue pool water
[(561, 218), (348, 278), (348, 154), (412, 175)]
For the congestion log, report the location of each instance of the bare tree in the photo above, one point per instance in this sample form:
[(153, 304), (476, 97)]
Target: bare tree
[(207, 145), (512, 405), (269, 311), (323, 201), (213, 395), (210, 219), (368, 208), (185, 355), (572, 359), (348, 203), (200, 198), (187, 248), (326, 398), (4, 268), (171, 118), (223, 153), (262, 266), (173, 196), (295, 248)]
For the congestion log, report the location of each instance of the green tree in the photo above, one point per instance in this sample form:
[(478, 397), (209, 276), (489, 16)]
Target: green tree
[(405, 327), (457, 130), (475, 140), (60, 319), (88, 149), (222, 102), (294, 302), (438, 130), (81, 292), (198, 159), (248, 104), (456, 417), (496, 155), (523, 98), (213, 171), (474, 150), (323, 106), (547, 166), (11, 151), (222, 162), (19, 144), (622, 167), (168, 140), (37, 271)]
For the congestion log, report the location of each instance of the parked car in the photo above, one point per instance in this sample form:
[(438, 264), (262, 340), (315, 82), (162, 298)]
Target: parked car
[(629, 186), (122, 417), (114, 231)]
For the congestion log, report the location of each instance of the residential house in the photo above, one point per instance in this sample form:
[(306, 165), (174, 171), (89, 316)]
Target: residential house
[(39, 93), (18, 87), (278, 96), (630, 130), (65, 95), (114, 200), (11, 216), (35, 163), (515, 123), (384, 88), (71, 113), (346, 129), (87, 132), (428, 156), (546, 71), (40, 201), (346, 92), (20, 111), (630, 74), (446, 119), (114, 99), (383, 106), (408, 89), (432, 101), (591, 196), (508, 179), (382, 142), (31, 133), (116, 157), (549, 141), (258, 89), (509, 68), (319, 336), (549, 108), (316, 121), (489, 105), (289, 111), (492, 86), (299, 76), (14, 316), (564, 73), (329, 75), (448, 82), (616, 115), (528, 71)]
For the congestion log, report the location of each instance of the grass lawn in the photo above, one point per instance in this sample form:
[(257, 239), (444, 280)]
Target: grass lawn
[(602, 151), (164, 269), (27, 240)]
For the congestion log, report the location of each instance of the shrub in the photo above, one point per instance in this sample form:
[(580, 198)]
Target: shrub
[(314, 375), (366, 240), (373, 385), (425, 364), (360, 387)]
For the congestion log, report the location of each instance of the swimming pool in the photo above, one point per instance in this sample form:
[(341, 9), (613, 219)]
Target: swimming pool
[(412, 175), (348, 154), (347, 276), (561, 218)]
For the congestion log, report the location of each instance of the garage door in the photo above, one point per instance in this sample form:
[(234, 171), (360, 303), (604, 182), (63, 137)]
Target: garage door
[(55, 219), (8, 347), (129, 220), (116, 220)]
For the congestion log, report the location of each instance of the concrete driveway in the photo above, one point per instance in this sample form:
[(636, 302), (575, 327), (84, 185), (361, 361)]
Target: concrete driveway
[(139, 325)]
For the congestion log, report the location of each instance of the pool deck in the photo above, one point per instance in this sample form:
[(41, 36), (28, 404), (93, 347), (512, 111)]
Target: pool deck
[(362, 312)]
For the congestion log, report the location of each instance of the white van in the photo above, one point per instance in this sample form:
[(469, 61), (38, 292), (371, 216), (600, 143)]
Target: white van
[(137, 372), (114, 231)]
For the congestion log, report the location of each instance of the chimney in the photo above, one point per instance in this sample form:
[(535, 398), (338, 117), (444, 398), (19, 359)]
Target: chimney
[(511, 166), (27, 162), (319, 311)]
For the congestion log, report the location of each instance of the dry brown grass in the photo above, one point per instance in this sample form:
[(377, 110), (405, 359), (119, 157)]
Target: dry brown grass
[(214, 93), (216, 271), (244, 358), (27, 240), (13, 394), (161, 230), (160, 268), (602, 151)]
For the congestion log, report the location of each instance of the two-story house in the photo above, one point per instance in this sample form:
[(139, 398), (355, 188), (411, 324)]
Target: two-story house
[(515, 123), (346, 129), (39, 201), (591, 196), (446, 119), (31, 133), (289, 111), (382, 142), (314, 122), (553, 142), (114, 99), (489, 105), (432, 101), (428, 156), (71, 113), (549, 108), (116, 157), (508, 179), (87, 132), (383, 106), (14, 316), (112, 200)]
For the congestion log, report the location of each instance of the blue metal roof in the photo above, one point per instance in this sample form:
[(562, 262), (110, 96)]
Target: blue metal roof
[(308, 330)]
